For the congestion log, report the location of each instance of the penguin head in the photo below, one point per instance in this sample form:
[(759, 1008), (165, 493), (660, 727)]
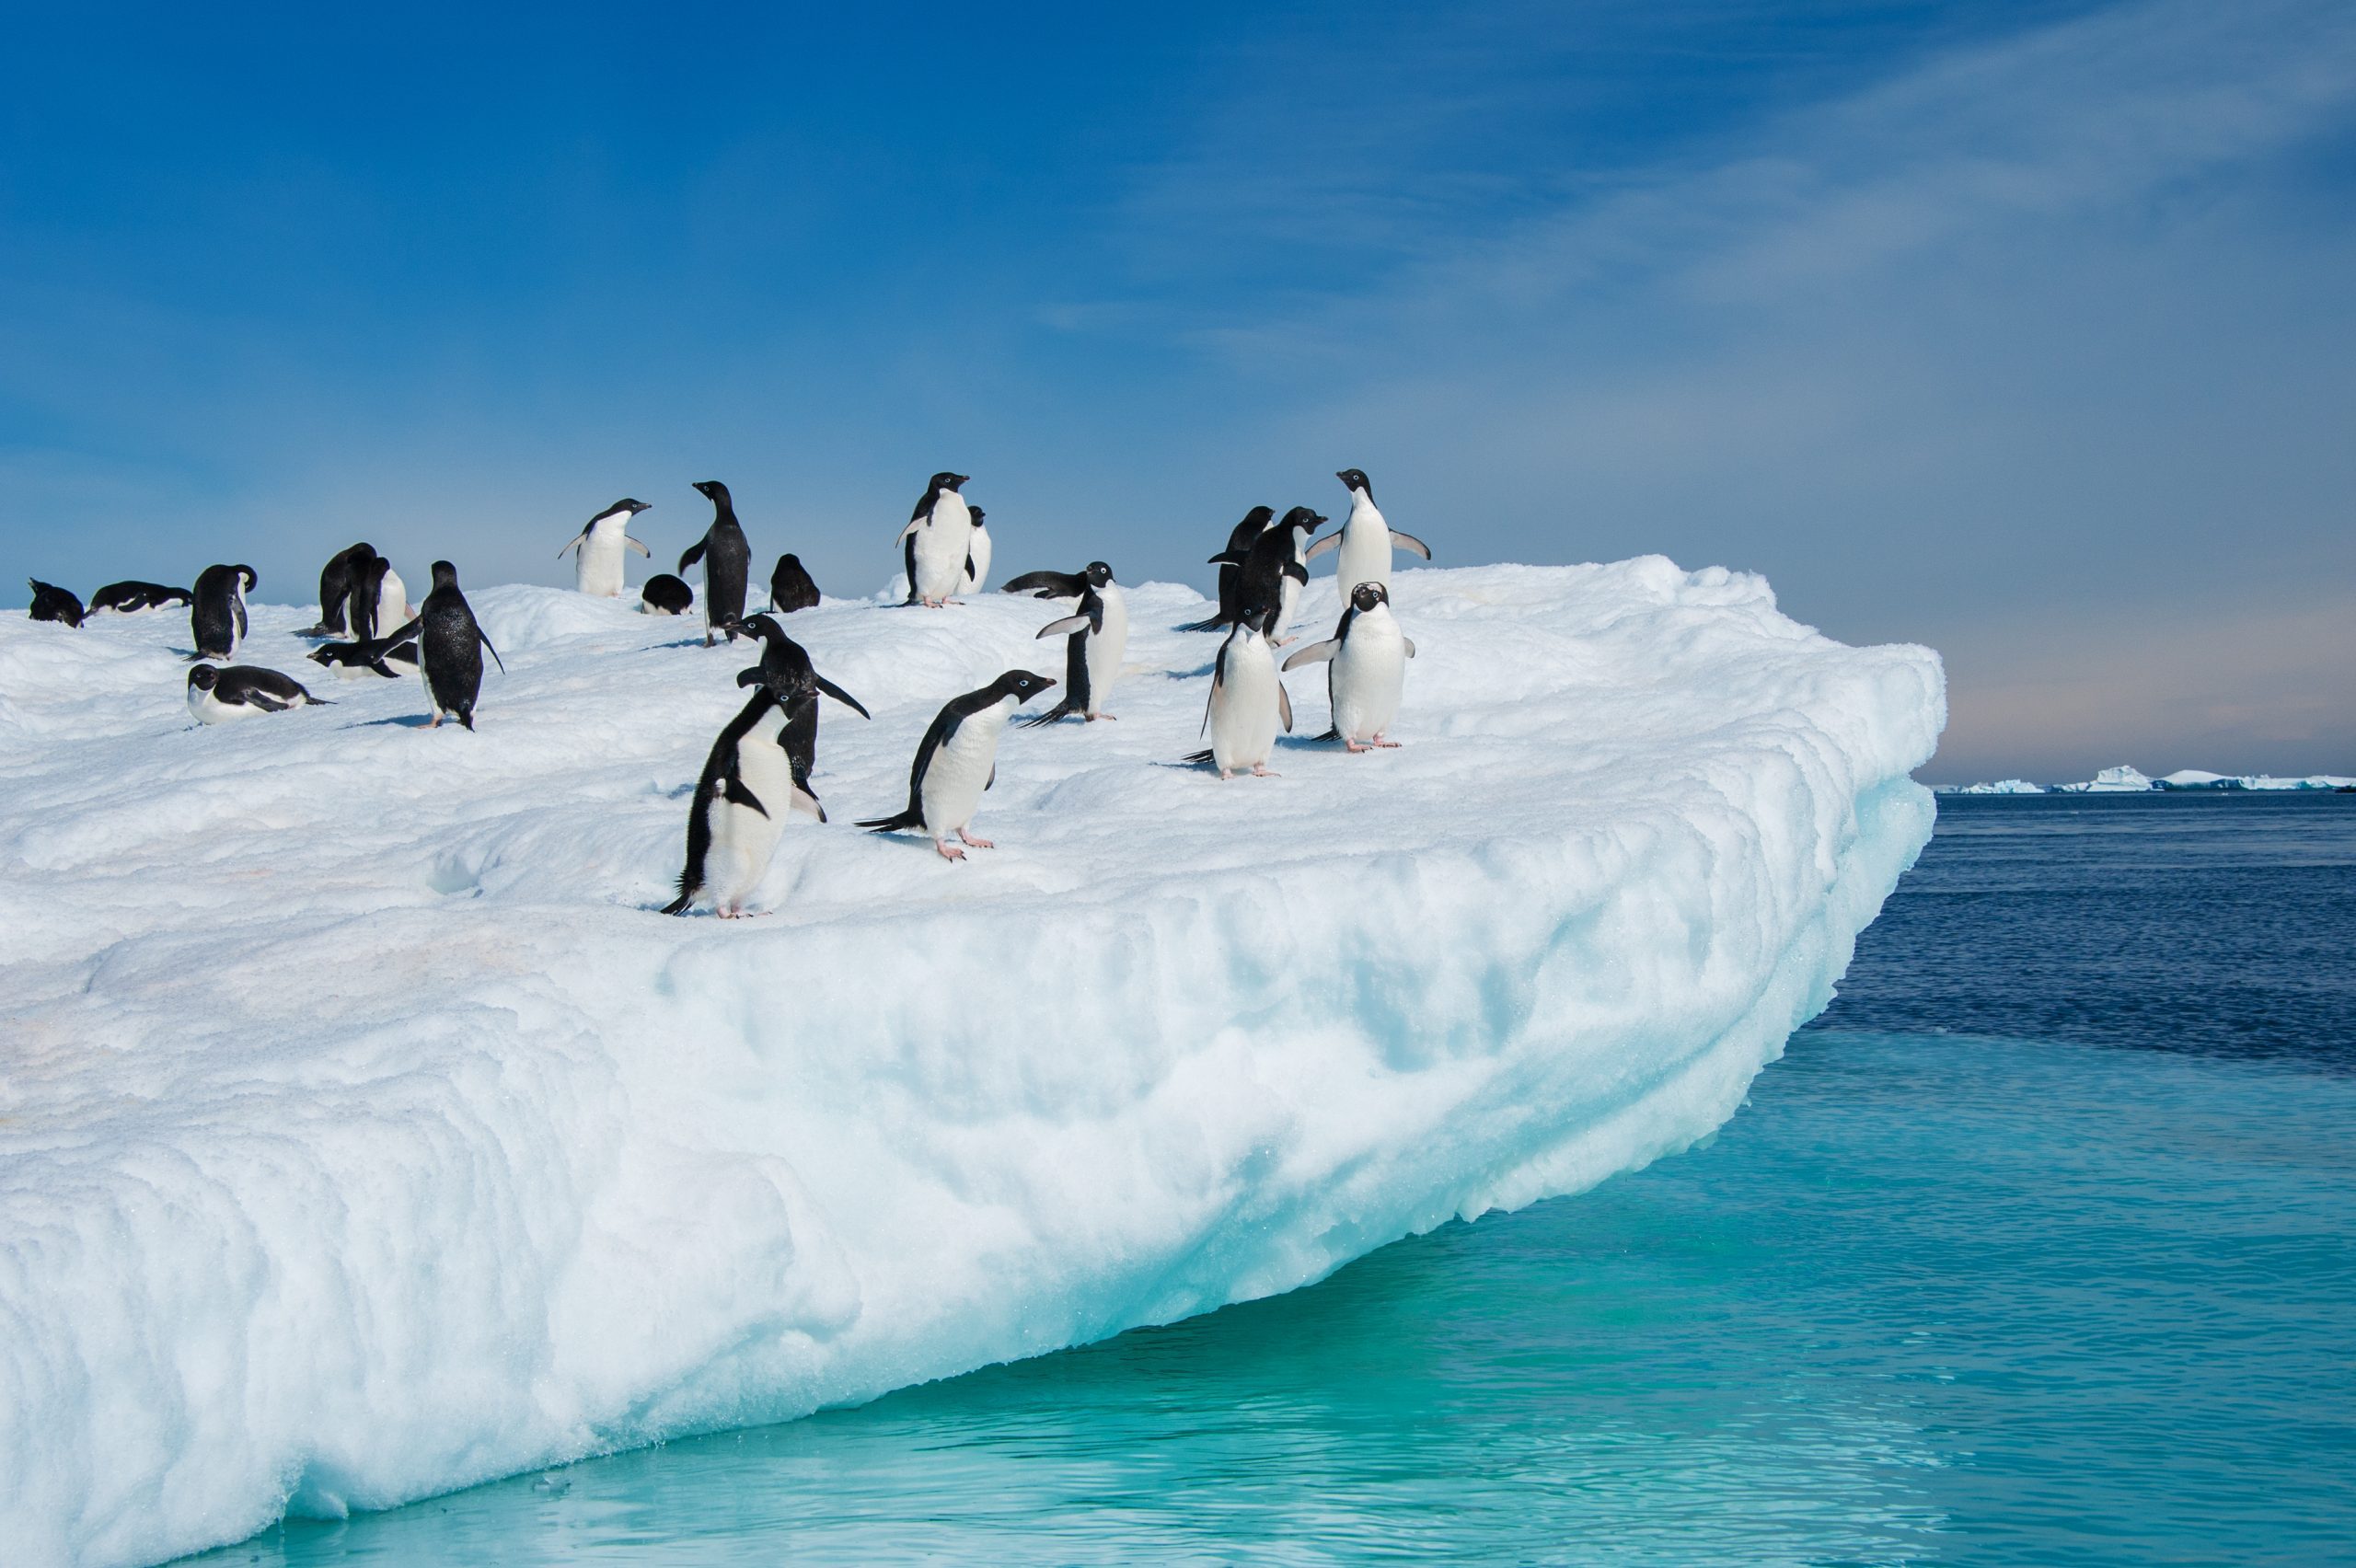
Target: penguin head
[(626, 507), (1098, 574), (203, 678), (322, 656), (713, 491), (1258, 517), (1358, 482), (977, 512), (945, 480), (1365, 595), (445, 574), (1305, 518), (762, 627), (1020, 685), (249, 575)]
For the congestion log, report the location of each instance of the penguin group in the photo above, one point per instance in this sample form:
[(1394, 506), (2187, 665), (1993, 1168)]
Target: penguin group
[(758, 769)]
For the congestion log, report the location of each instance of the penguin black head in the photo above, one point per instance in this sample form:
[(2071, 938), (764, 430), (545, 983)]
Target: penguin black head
[(1306, 517), (1251, 616), (977, 512), (1365, 595), (713, 491), (1020, 685), (949, 481), (1355, 480), (445, 574), (203, 678), (763, 628), (627, 504), (1098, 574), (252, 580)]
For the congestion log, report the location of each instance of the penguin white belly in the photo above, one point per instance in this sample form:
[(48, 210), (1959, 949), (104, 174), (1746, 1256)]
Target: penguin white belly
[(599, 570), (1243, 710), (744, 840), (940, 547), (977, 549), (210, 709), (1107, 649), (1287, 601), (392, 602), (1365, 552), (959, 771), (1368, 674)]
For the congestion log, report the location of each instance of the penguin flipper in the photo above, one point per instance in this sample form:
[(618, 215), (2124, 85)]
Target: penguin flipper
[(569, 546), (735, 794), (913, 523), (1064, 628), (1411, 646), (1219, 679), (839, 694), (1297, 572), (1330, 542), (1409, 542), (1284, 706), (494, 652), (637, 547), (385, 670), (694, 553), (1315, 652), (806, 803)]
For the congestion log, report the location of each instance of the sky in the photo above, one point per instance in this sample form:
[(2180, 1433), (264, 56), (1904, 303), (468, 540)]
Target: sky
[(2027, 332)]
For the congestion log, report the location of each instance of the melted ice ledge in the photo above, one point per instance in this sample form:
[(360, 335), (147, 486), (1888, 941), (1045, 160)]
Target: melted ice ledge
[(363, 1135)]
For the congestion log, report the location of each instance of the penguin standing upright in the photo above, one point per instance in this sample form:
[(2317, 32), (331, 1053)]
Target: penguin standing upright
[(791, 587), (738, 814), (52, 602), (217, 610), (336, 580), (957, 760), (1247, 701), (217, 696), (1230, 572), (599, 548), (785, 668), (727, 563), (977, 555), (1096, 640), (1367, 672), (129, 598), (1364, 540), (936, 542), (450, 644), (1271, 572)]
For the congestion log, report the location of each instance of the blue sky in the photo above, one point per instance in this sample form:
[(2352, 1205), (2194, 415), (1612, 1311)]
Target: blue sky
[(2025, 330)]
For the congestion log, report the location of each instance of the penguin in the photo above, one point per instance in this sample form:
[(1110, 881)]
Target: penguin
[(978, 556), (336, 580), (957, 760), (52, 602), (450, 643), (1048, 584), (727, 562), (1367, 669), (747, 785), (217, 609), (936, 542), (217, 695), (1272, 573), (597, 562), (129, 598), (377, 656), (1230, 572), (1364, 539), (379, 598), (785, 669), (1096, 640), (665, 595), (1248, 699), (791, 587)]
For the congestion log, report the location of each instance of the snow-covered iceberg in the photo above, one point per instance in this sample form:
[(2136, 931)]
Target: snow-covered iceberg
[(2196, 779), (2123, 780), (363, 1135), (2000, 787)]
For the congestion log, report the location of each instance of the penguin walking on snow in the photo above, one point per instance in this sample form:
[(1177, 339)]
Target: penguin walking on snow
[(217, 610), (957, 760), (1364, 539), (336, 580), (977, 555), (727, 562), (217, 696), (1367, 669), (450, 647), (1096, 640), (1247, 701), (747, 787), (791, 587), (129, 598), (52, 602), (1231, 571), (599, 548), (938, 541), (785, 669)]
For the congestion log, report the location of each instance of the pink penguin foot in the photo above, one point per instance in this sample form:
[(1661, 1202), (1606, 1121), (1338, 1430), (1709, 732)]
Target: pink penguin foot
[(948, 851), (1387, 745), (1259, 771), (965, 838)]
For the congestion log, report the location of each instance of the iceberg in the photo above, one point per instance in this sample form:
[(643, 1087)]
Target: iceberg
[(2121, 781), (364, 1135), (2000, 787)]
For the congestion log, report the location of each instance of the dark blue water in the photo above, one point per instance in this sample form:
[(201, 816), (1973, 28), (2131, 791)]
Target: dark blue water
[(2041, 1249)]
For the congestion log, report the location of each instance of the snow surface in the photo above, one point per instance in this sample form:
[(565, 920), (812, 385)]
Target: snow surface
[(363, 1133)]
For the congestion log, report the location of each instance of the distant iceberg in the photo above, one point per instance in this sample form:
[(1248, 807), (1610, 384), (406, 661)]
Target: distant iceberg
[(364, 1135), (2127, 781), (2121, 781), (2194, 779), (2002, 787)]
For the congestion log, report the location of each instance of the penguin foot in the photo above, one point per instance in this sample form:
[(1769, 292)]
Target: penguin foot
[(1387, 745), (1224, 776), (1260, 771), (1356, 745), (435, 722), (965, 838), (1093, 717), (948, 851)]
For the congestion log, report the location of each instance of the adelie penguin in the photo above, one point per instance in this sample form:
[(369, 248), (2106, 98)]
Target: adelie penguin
[(450, 645), (601, 544), (957, 760), (337, 580), (129, 598), (52, 602), (937, 543), (663, 594), (1096, 640), (791, 587), (1368, 671), (977, 555), (217, 610), (727, 563), (1364, 540), (1272, 573), (785, 668), (748, 784), (1247, 701), (1231, 571), (217, 696), (377, 656), (379, 598)]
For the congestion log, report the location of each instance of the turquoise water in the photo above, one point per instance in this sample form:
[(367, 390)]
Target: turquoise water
[(2086, 1297)]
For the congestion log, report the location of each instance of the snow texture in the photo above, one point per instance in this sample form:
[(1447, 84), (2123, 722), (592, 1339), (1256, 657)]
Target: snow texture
[(364, 1135)]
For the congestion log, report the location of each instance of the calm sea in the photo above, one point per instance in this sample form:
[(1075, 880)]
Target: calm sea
[(2040, 1248)]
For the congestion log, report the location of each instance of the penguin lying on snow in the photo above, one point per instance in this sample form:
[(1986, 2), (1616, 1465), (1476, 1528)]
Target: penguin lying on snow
[(217, 609), (791, 587), (785, 669), (1247, 699), (936, 546), (747, 785), (217, 695), (597, 567), (1231, 572), (52, 602), (1097, 640), (1364, 539), (1367, 672), (727, 562), (957, 760), (665, 595), (129, 598), (377, 656)]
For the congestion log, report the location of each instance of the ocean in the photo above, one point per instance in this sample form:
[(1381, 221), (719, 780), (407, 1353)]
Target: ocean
[(2038, 1248)]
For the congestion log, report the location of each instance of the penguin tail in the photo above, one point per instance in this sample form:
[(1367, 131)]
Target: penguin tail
[(679, 904), (1211, 625), (1063, 709), (1192, 759), (1332, 734), (899, 823)]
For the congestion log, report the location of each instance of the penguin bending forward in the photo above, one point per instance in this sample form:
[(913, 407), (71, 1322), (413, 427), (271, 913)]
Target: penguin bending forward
[(1364, 539), (791, 587), (449, 643), (597, 566), (957, 760), (786, 670), (1230, 572), (727, 562), (1247, 701), (1096, 640), (52, 602), (336, 580), (748, 784), (128, 598), (937, 542), (663, 594), (1368, 671), (217, 609), (217, 695)]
